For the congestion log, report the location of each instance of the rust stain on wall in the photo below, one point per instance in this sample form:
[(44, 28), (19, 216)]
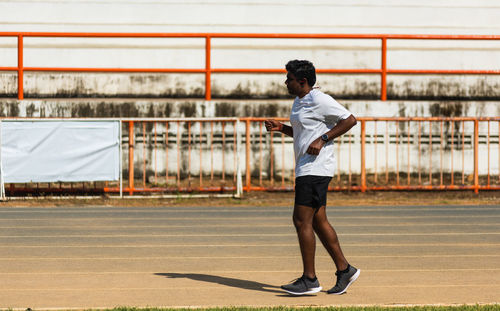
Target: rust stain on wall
[(188, 110), (447, 109), (225, 110)]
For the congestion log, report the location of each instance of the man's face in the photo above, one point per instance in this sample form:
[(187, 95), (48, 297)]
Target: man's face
[(292, 84)]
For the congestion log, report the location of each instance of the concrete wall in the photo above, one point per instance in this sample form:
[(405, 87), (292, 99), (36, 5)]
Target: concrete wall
[(294, 16), (155, 153), (273, 16), (180, 108), (181, 95)]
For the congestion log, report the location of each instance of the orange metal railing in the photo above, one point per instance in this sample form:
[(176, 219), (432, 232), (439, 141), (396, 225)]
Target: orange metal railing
[(183, 169), (383, 71), (419, 153), (205, 155)]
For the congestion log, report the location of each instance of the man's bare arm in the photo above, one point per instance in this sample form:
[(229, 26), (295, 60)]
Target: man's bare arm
[(273, 125), (341, 128)]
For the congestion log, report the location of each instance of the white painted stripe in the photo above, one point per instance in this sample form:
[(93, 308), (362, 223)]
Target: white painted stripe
[(211, 287), (264, 217), (232, 257), (229, 272), (253, 245), (242, 235), (251, 209), (111, 226)]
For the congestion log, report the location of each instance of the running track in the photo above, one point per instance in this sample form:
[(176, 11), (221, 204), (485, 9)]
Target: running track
[(96, 257)]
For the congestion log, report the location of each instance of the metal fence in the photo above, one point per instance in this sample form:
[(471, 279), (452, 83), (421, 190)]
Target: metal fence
[(390, 154), (227, 155)]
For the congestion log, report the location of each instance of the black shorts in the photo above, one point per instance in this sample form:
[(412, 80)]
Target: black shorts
[(311, 190)]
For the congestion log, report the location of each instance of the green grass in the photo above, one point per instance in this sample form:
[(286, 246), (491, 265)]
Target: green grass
[(375, 308), (492, 307)]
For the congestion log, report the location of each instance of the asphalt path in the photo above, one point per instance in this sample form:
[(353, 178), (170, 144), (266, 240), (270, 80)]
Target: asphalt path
[(102, 257)]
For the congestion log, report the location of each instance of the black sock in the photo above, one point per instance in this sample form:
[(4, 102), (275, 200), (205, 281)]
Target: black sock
[(312, 280), (346, 270)]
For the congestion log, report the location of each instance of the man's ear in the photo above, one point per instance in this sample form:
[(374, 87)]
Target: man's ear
[(303, 81)]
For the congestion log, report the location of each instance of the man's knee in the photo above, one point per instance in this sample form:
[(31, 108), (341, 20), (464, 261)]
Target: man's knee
[(302, 217), (298, 222)]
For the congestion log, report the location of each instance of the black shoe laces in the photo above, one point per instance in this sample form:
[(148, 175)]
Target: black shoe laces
[(297, 280)]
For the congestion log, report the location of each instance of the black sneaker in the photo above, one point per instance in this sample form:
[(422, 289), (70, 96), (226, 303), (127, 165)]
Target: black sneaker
[(302, 286), (344, 279)]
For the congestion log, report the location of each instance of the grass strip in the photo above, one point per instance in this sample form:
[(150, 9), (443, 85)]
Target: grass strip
[(493, 307)]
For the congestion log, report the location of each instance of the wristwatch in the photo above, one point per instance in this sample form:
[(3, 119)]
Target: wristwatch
[(324, 138)]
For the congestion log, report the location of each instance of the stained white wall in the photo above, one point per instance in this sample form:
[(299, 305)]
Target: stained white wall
[(260, 16), (315, 16)]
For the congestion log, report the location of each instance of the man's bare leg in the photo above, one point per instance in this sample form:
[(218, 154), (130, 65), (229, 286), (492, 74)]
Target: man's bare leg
[(329, 238), (303, 221)]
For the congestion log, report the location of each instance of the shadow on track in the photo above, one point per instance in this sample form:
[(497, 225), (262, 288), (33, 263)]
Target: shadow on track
[(246, 284)]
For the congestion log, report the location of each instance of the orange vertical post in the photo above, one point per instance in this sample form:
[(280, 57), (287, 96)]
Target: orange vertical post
[(235, 143), (271, 176), (375, 153), (349, 158), (441, 155), (247, 156), (488, 144), (144, 154), (156, 164), (20, 68), (189, 154), (201, 154), (397, 153), (178, 155), (419, 153), (383, 82), (476, 156), (387, 152), (260, 154), (208, 86), (283, 159), (463, 153), (408, 156), (166, 153), (223, 150), (338, 142), (363, 155), (131, 157), (451, 164), (430, 153), (211, 151)]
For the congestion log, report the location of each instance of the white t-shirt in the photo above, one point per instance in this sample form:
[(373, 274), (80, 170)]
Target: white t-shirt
[(312, 116)]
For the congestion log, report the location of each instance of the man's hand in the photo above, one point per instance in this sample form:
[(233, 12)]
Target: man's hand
[(273, 125), (315, 146)]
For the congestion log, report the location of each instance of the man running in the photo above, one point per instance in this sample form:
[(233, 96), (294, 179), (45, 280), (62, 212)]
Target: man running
[(316, 120)]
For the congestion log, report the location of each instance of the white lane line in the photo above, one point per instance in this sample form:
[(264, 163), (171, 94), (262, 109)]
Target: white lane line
[(111, 226), (187, 209), (255, 245), (264, 217), (230, 272), (234, 257), (242, 235), (211, 287)]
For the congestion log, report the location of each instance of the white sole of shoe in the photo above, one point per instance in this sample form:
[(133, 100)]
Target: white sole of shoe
[(351, 280), (313, 290)]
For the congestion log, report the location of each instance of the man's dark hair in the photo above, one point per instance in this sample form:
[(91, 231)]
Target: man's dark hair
[(302, 69)]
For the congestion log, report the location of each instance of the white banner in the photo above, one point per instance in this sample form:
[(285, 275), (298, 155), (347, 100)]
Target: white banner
[(53, 151)]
